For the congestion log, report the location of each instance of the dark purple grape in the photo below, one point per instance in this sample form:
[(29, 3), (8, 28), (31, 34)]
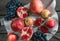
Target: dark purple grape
[(11, 8), (39, 36)]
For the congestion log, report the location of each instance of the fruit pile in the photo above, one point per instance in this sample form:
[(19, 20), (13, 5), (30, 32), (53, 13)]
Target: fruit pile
[(24, 25)]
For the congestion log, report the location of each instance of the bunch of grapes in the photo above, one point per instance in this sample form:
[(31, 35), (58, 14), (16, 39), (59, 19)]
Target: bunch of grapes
[(12, 6), (39, 36)]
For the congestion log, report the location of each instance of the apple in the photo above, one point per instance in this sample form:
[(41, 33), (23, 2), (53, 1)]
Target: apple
[(22, 12), (51, 22), (38, 22), (29, 21), (36, 6), (12, 37), (26, 33), (45, 13), (17, 24)]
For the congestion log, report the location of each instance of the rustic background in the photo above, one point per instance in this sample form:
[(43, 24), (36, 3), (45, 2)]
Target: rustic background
[(3, 32)]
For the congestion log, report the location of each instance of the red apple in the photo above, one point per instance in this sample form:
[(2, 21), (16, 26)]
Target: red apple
[(26, 33), (36, 6), (17, 24), (29, 21), (45, 13), (38, 22), (44, 29), (22, 12), (12, 37), (51, 22)]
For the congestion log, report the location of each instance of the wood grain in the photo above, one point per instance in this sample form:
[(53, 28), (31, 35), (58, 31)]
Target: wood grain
[(58, 5)]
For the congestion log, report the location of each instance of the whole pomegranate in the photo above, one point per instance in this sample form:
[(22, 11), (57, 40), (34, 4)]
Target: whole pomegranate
[(51, 22), (29, 21), (36, 6), (17, 24), (45, 13), (38, 22), (44, 29), (12, 37)]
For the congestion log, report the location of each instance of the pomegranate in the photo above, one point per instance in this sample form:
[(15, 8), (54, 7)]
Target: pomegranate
[(38, 22), (22, 12), (36, 6), (26, 33), (29, 21), (51, 22), (12, 37), (44, 29), (17, 24), (45, 13)]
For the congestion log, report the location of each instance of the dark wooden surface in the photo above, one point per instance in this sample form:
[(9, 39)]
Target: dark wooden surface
[(3, 33)]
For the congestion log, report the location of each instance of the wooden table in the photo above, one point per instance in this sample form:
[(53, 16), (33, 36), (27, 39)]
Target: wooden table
[(3, 33)]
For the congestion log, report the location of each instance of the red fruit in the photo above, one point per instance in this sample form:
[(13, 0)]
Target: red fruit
[(36, 6), (22, 12), (17, 24), (29, 21), (51, 23), (12, 37), (26, 33), (45, 13), (44, 29), (38, 22)]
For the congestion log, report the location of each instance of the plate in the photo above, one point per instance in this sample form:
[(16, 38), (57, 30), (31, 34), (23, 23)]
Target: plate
[(51, 7)]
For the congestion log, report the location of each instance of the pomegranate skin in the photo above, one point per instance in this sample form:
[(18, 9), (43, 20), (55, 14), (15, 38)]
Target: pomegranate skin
[(51, 23), (17, 24), (36, 6), (45, 13), (44, 29), (29, 21), (38, 22), (12, 37)]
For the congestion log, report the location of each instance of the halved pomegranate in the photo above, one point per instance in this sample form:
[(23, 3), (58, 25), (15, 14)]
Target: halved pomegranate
[(22, 12), (26, 33), (17, 24)]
